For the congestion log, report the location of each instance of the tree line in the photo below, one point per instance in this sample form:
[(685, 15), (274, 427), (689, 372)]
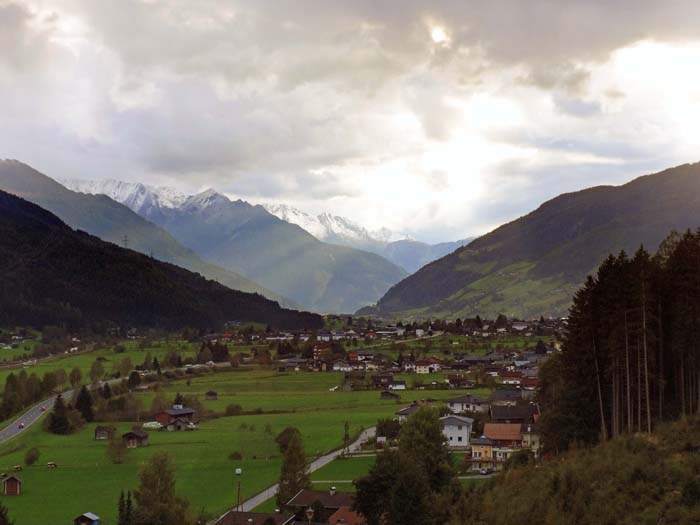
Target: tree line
[(631, 355)]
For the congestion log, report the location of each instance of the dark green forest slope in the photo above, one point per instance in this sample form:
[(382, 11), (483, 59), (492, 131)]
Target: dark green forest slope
[(533, 265), (114, 222), (52, 274)]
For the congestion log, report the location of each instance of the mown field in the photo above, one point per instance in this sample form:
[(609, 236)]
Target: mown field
[(87, 481)]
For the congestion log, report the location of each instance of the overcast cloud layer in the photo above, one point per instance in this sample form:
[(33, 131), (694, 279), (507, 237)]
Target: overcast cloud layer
[(442, 120)]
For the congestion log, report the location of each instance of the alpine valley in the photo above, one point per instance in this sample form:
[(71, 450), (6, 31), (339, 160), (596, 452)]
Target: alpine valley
[(248, 240)]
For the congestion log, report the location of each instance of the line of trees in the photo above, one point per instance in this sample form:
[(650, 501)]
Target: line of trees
[(631, 355)]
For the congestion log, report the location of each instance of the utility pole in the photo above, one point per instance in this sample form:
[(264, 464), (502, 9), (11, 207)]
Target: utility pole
[(239, 472), (125, 241)]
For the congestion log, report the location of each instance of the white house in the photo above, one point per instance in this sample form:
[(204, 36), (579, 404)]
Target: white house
[(341, 366), (468, 403), (457, 430)]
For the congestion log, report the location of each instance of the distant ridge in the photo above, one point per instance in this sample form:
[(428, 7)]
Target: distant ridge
[(51, 274), (114, 222), (533, 265)]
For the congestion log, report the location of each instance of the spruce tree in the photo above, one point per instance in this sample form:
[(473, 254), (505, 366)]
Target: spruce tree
[(84, 404), (294, 475), (58, 419), (5, 516), (121, 509)]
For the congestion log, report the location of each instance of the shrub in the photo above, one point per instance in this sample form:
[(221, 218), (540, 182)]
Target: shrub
[(235, 456), (234, 410), (31, 456)]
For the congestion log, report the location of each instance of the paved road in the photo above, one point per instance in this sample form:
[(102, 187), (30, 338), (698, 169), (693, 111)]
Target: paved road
[(29, 417), (33, 414), (269, 492)]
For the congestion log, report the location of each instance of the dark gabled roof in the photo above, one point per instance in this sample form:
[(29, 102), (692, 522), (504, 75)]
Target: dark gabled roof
[(252, 518), (179, 411), (407, 411), (505, 394), (12, 476), (329, 500), (466, 399), (524, 412), (211, 393), (105, 428), (456, 420), (139, 433), (89, 515)]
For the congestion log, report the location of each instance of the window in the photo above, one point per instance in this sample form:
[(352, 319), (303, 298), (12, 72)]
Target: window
[(459, 427), (459, 438)]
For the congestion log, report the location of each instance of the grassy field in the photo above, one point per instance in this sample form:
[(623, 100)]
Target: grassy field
[(204, 473), (107, 355)]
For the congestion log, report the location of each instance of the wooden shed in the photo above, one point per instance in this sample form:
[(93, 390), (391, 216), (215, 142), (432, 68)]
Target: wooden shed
[(135, 438), (89, 518), (12, 485), (104, 432), (211, 395)]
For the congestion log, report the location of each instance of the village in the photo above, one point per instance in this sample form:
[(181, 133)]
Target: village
[(480, 376)]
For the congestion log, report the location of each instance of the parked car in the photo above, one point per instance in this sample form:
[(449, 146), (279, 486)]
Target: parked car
[(20, 425)]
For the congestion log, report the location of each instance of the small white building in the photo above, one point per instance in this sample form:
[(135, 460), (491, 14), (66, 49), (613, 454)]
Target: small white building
[(397, 385), (468, 403), (457, 430)]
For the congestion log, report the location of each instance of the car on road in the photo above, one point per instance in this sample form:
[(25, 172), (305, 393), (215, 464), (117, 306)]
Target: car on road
[(21, 425), (43, 409), (486, 471)]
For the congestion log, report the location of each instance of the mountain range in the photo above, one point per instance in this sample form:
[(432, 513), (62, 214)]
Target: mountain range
[(153, 203), (52, 274), (111, 221), (249, 240), (400, 249), (533, 265)]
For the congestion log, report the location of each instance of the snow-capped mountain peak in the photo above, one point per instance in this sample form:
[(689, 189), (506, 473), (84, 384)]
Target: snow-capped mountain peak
[(139, 197), (333, 228)]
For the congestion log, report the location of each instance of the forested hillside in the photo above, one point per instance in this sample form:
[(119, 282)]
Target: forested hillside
[(51, 274), (111, 221), (533, 265), (631, 358), (631, 480)]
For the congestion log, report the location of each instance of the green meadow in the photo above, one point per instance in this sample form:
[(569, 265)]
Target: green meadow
[(205, 474)]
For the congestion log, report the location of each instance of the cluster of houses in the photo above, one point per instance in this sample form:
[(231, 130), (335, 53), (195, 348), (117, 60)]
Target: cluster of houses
[(512, 426), (507, 367), (328, 507), (176, 418)]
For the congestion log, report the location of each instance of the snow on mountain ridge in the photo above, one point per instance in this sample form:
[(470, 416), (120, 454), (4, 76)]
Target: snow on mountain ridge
[(148, 201)]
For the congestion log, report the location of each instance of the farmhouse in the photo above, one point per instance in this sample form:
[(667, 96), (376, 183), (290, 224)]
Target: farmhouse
[(135, 438), (104, 432), (467, 403), (176, 418), (12, 485), (405, 412), (505, 434), (457, 430), (514, 414), (87, 519), (487, 454), (503, 396)]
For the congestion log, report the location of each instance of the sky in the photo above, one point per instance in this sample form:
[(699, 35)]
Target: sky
[(437, 119)]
